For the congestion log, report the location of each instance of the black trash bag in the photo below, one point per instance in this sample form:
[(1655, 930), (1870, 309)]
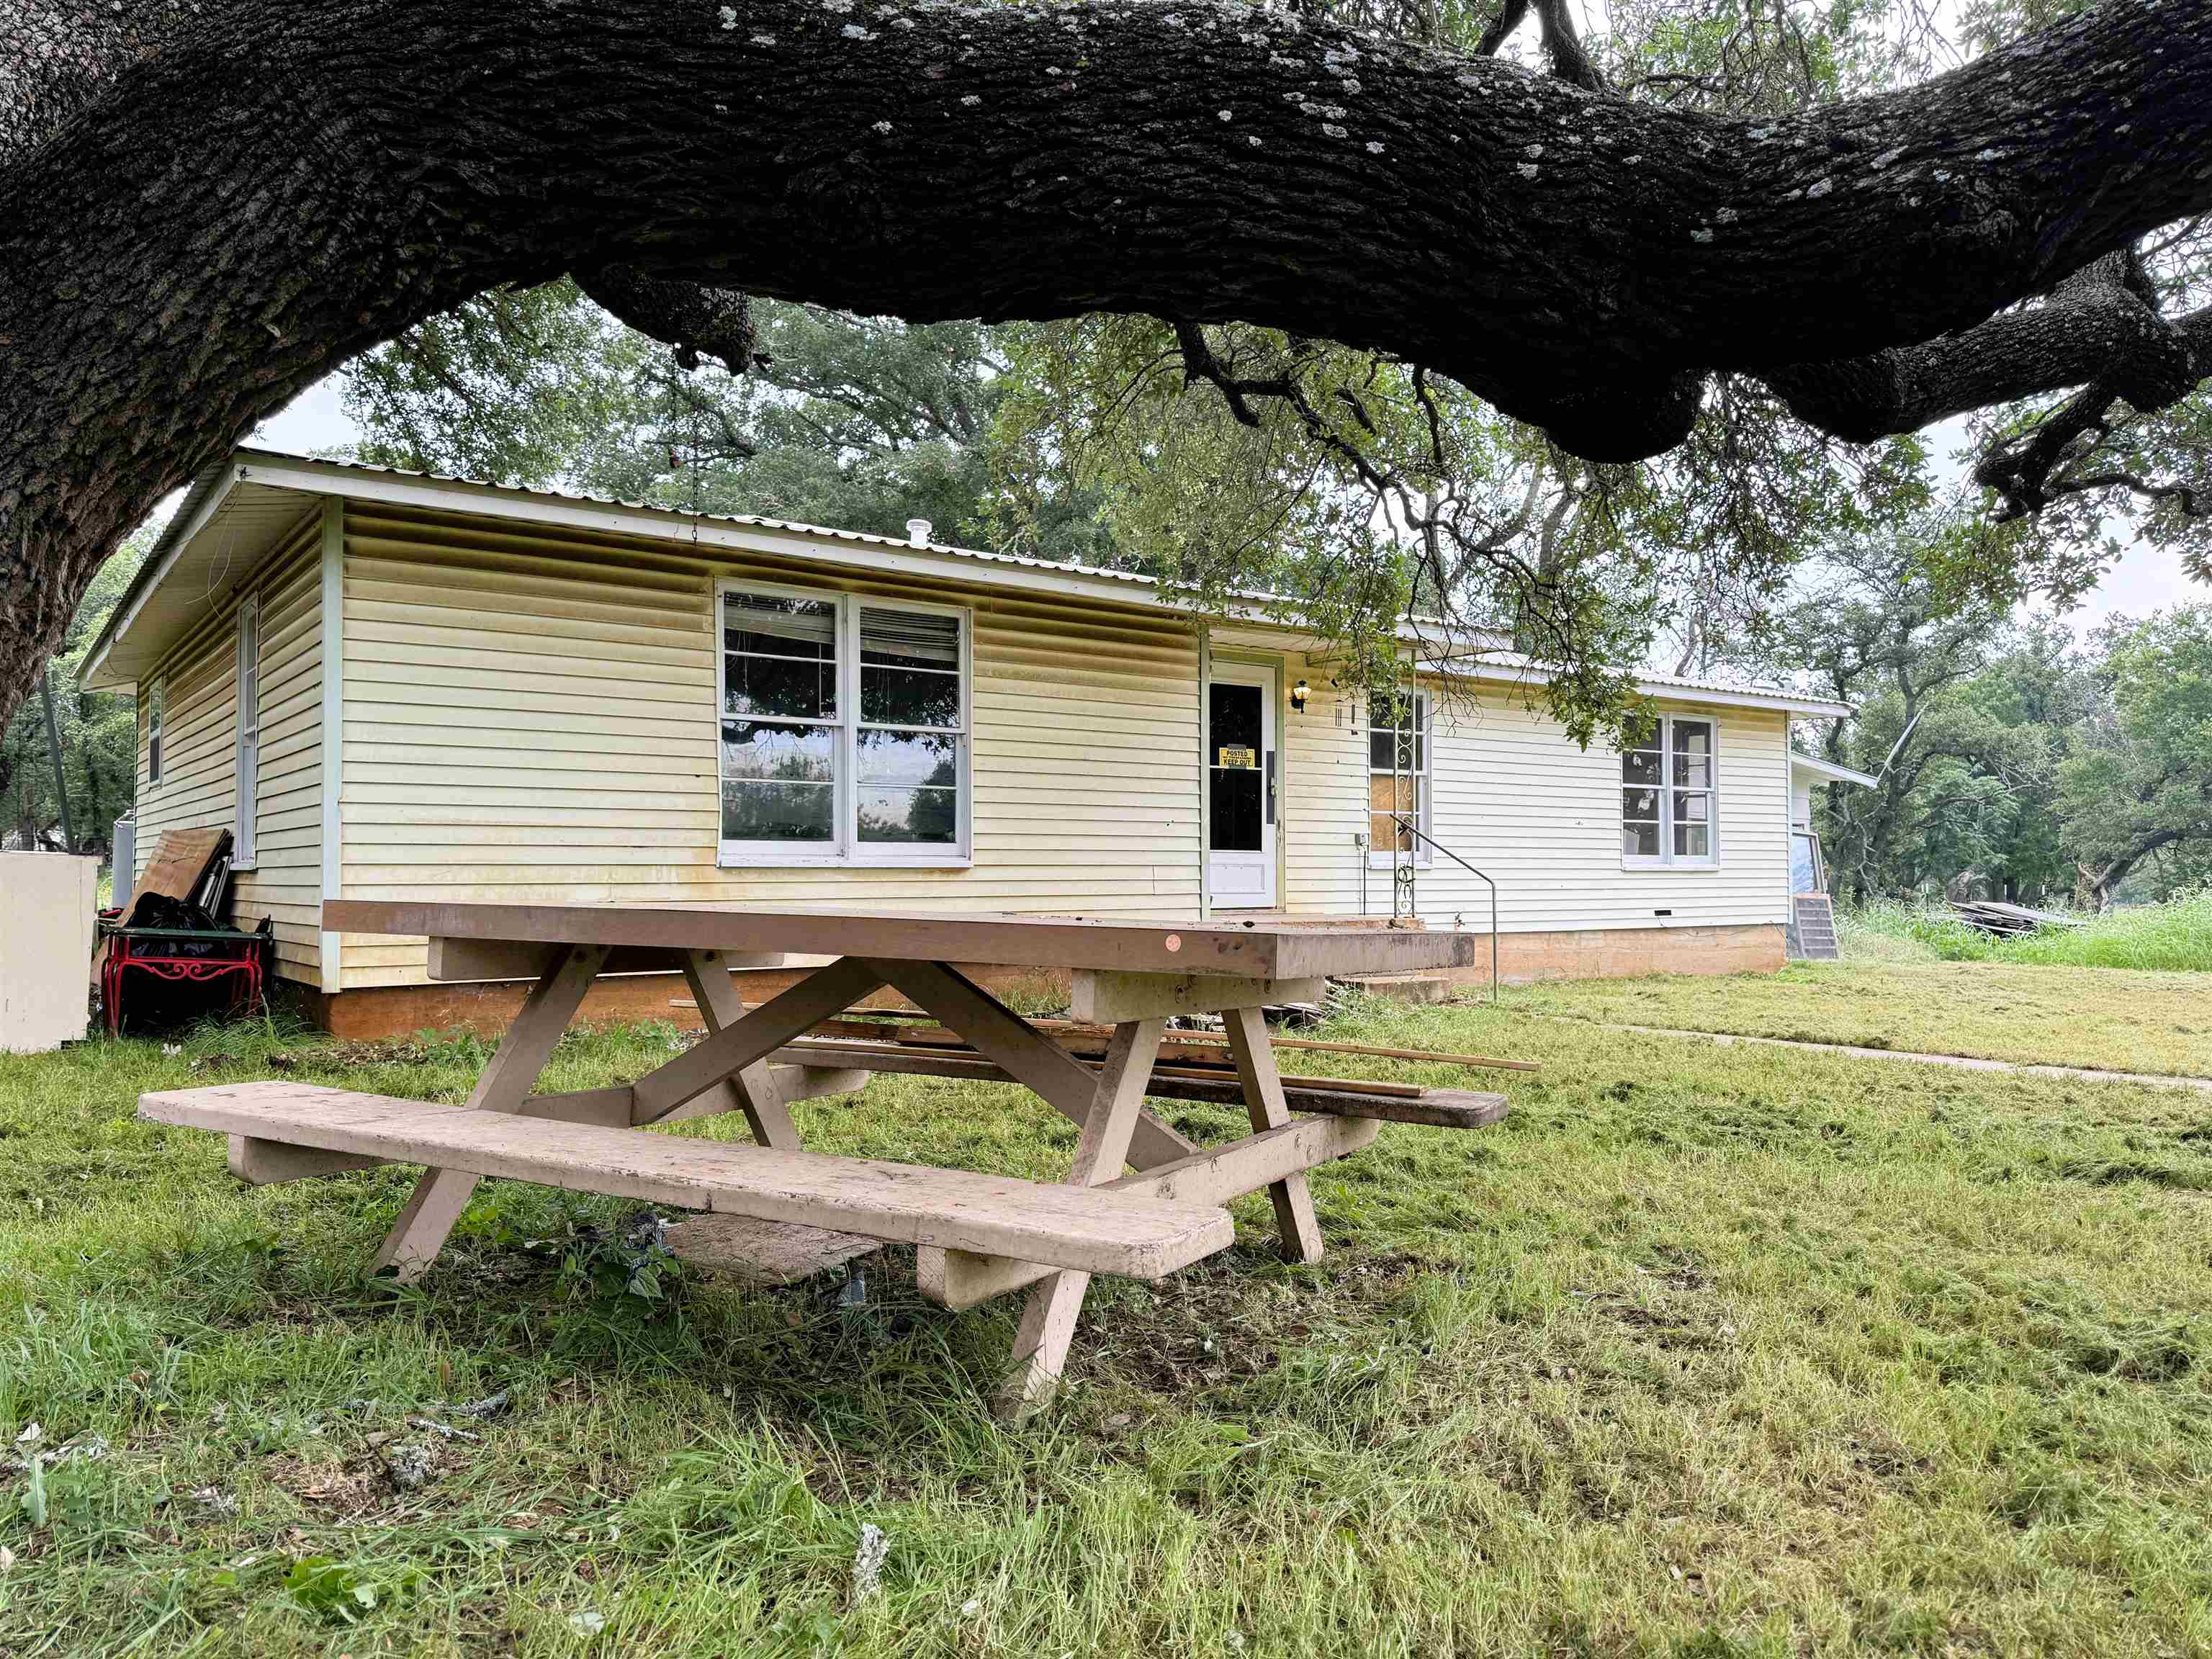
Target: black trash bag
[(159, 910)]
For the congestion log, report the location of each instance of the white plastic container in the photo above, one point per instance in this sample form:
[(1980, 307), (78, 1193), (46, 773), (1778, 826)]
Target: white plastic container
[(47, 906)]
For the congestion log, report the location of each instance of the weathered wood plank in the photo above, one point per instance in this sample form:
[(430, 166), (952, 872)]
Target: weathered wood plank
[(1005, 1039), (1264, 951), (959, 1278), (1032, 1376), (825, 992), (500, 958), (752, 1088), (1442, 1108), (268, 1163), (1088, 1037), (1265, 1105), (1107, 999), (1066, 1226), (441, 1195)]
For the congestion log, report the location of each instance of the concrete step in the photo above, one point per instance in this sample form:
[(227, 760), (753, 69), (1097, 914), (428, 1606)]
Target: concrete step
[(1403, 987)]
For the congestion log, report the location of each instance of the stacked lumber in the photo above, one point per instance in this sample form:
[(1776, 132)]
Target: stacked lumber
[(1191, 1066), (2004, 921)]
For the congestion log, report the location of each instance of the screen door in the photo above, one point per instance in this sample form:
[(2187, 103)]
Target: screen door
[(1240, 786)]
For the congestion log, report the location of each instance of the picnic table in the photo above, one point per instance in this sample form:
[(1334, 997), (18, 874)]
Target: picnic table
[(976, 1236)]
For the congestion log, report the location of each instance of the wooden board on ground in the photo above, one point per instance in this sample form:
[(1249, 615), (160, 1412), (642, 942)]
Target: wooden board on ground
[(1445, 1108), (763, 1252), (1065, 1226), (1089, 1039), (1255, 950)]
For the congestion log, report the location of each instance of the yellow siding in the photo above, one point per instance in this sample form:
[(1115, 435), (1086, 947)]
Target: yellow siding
[(1515, 797), (530, 717), (200, 773)]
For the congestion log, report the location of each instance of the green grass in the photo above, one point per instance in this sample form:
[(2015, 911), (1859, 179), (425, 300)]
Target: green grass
[(2110, 1018), (1701, 1352), (2172, 937)]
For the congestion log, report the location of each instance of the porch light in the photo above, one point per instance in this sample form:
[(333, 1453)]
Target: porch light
[(1299, 693)]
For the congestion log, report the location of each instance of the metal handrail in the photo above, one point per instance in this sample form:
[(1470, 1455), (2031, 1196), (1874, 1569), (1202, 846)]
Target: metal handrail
[(1410, 827)]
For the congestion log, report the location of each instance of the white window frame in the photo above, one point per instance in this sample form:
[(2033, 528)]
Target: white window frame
[(845, 848), (1663, 734), (157, 699), (245, 749), (1424, 784)]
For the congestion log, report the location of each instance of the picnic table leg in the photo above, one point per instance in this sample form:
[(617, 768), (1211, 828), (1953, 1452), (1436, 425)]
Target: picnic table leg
[(441, 1194), (753, 1088), (1048, 1318), (1263, 1100)]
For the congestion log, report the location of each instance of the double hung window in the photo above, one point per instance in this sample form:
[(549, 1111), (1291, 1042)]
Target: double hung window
[(844, 729), (1669, 790)]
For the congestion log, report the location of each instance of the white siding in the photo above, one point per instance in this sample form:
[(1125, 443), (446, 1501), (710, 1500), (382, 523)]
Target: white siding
[(1515, 797), (530, 717), (199, 767)]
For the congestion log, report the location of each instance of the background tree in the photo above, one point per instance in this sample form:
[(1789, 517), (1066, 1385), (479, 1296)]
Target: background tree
[(2141, 780), (97, 732)]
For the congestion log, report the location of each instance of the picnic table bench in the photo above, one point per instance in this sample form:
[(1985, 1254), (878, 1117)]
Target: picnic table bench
[(976, 1236)]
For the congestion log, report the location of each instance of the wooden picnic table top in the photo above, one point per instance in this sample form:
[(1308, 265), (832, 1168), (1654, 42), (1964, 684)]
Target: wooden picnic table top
[(1258, 948)]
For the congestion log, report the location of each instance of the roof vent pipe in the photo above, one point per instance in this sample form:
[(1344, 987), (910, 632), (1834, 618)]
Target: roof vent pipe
[(917, 532)]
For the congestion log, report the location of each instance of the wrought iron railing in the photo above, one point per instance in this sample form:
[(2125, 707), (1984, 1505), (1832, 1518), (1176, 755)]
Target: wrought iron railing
[(1406, 824)]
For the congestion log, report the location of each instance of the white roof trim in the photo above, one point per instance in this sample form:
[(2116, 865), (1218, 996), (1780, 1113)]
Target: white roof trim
[(1801, 762), (844, 549), (1513, 670), (202, 502), (745, 535)]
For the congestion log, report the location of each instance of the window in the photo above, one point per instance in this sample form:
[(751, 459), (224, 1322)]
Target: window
[(844, 730), (153, 701), (1392, 792), (247, 771), (1668, 788)]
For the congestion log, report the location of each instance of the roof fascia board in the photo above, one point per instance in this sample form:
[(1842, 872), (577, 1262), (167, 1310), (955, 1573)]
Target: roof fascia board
[(174, 540), (1711, 696), (480, 501), (1828, 768)]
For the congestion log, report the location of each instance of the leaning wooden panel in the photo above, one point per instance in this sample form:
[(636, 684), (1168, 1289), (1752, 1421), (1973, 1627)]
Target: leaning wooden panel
[(1075, 1227), (1259, 950)]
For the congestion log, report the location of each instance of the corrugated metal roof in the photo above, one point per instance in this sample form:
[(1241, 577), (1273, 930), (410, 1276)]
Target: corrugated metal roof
[(749, 520), (1485, 663)]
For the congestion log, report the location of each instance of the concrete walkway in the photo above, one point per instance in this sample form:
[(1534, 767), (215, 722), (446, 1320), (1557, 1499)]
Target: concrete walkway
[(1957, 1062)]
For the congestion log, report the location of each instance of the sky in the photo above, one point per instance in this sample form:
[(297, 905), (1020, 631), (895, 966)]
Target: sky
[(2144, 580)]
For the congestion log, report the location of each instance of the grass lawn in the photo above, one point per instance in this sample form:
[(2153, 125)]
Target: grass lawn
[(1702, 1353), (2117, 1020)]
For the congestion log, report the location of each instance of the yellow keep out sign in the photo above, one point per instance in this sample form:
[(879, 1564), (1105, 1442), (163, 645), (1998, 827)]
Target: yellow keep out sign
[(1249, 759)]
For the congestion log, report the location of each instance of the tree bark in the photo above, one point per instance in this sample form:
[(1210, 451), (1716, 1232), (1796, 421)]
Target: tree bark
[(277, 184)]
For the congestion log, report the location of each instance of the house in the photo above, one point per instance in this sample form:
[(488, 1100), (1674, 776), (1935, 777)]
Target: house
[(407, 687)]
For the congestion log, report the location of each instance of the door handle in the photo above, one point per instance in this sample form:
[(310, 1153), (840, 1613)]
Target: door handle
[(1271, 785)]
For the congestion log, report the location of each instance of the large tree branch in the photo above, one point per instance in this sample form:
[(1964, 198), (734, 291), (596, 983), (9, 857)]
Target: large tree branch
[(2101, 325), (277, 184), (694, 318)]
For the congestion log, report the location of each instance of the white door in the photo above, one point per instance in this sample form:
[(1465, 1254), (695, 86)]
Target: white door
[(1240, 783)]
